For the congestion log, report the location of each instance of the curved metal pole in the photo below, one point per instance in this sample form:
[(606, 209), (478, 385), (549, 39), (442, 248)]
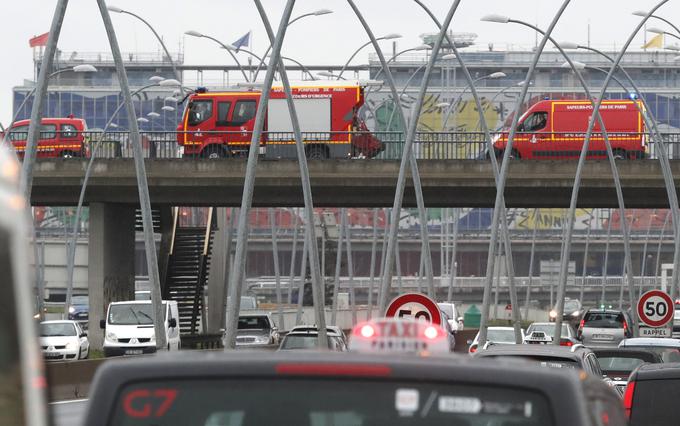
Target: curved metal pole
[(591, 126), (303, 278), (142, 185), (566, 243), (374, 244), (500, 186), (30, 152), (160, 40), (236, 287), (277, 272), (318, 286), (669, 182), (269, 48), (304, 68), (401, 94), (392, 59), (344, 67), (605, 264), (643, 266), (350, 269), (454, 249), (658, 249), (494, 165), (585, 260), (459, 99), (293, 254), (407, 158), (71, 244), (660, 18), (531, 264), (224, 46), (338, 264)]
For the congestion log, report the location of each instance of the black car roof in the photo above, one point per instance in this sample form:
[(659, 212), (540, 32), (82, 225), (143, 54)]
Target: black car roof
[(555, 385), (535, 350), (661, 371)]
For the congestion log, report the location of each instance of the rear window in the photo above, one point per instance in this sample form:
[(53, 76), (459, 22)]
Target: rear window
[(603, 320), (253, 323), (623, 364), (501, 336), (308, 342), (653, 401), (332, 403), (544, 361)]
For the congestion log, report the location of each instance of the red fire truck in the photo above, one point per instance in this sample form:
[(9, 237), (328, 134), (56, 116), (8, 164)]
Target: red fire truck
[(220, 124), (556, 129), (59, 137)]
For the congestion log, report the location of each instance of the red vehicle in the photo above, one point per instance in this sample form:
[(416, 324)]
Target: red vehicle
[(556, 130), (220, 124), (59, 137)]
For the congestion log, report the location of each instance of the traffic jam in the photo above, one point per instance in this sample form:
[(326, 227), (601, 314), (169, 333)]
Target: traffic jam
[(409, 367)]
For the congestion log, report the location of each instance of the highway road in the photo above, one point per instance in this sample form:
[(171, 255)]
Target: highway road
[(68, 413)]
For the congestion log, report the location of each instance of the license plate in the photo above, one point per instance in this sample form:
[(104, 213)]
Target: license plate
[(52, 356), (603, 337), (134, 351)]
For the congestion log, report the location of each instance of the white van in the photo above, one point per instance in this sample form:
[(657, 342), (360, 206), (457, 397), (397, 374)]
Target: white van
[(128, 328)]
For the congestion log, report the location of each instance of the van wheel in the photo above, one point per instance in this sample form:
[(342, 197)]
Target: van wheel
[(68, 154), (214, 152), (317, 152), (619, 154)]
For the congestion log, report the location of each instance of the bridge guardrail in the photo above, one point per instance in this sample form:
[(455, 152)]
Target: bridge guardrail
[(428, 145)]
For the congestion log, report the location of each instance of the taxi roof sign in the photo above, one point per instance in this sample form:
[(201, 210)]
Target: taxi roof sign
[(399, 335), (538, 337)]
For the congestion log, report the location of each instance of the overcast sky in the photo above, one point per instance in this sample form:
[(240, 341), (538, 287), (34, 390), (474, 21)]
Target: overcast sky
[(328, 39)]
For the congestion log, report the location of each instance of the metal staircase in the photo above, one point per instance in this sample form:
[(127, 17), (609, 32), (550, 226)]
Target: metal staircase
[(188, 268)]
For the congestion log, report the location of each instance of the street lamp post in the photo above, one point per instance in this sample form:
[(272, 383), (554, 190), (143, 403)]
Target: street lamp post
[(197, 34), (657, 30), (319, 12), (158, 37), (643, 14), (390, 36)]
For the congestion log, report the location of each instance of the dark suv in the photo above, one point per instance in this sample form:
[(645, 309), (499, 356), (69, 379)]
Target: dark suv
[(604, 327), (652, 392)]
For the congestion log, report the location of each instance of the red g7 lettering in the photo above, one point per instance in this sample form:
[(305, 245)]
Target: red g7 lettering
[(143, 403)]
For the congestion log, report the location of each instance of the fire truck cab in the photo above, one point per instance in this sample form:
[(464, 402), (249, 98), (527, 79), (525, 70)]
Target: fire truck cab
[(556, 129), (220, 124)]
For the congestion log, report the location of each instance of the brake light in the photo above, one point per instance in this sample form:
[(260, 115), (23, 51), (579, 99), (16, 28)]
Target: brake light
[(566, 343), (334, 370), (625, 327), (581, 324), (431, 332), (473, 349), (628, 398), (367, 331)]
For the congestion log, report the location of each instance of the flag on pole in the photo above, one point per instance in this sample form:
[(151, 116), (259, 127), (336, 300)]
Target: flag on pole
[(40, 40), (656, 42), (243, 41)]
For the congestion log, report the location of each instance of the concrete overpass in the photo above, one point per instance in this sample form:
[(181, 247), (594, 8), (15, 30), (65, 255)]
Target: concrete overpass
[(349, 183)]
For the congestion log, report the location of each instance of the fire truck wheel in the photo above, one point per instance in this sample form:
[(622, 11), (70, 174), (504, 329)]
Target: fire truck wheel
[(68, 154), (317, 152), (619, 154), (214, 152)]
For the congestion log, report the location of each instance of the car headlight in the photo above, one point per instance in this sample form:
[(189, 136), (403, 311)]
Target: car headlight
[(575, 314), (553, 314), (71, 309), (111, 336), (71, 345), (262, 339), (153, 337)]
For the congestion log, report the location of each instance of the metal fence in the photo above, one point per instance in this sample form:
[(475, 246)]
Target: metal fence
[(428, 145)]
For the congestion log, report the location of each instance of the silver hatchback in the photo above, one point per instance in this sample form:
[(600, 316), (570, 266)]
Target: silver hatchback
[(604, 327)]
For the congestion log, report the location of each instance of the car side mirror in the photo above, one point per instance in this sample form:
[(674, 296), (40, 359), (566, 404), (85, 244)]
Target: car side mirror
[(275, 328), (83, 334), (469, 342), (102, 324), (172, 323), (460, 320)]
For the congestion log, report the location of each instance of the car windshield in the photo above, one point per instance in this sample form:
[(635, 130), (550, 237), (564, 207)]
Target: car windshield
[(332, 402), (306, 341), (447, 308), (548, 329), (502, 336), (617, 363), (603, 320), (253, 323), (57, 329), (131, 314), (571, 306), (79, 300)]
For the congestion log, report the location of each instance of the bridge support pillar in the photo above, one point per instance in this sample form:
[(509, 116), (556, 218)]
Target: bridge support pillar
[(111, 269), (219, 265)]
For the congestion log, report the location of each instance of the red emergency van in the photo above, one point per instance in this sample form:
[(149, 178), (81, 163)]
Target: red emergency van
[(59, 137), (220, 124), (556, 129)]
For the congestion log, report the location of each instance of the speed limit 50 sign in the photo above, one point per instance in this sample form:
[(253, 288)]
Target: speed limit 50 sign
[(655, 309), (416, 306)]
